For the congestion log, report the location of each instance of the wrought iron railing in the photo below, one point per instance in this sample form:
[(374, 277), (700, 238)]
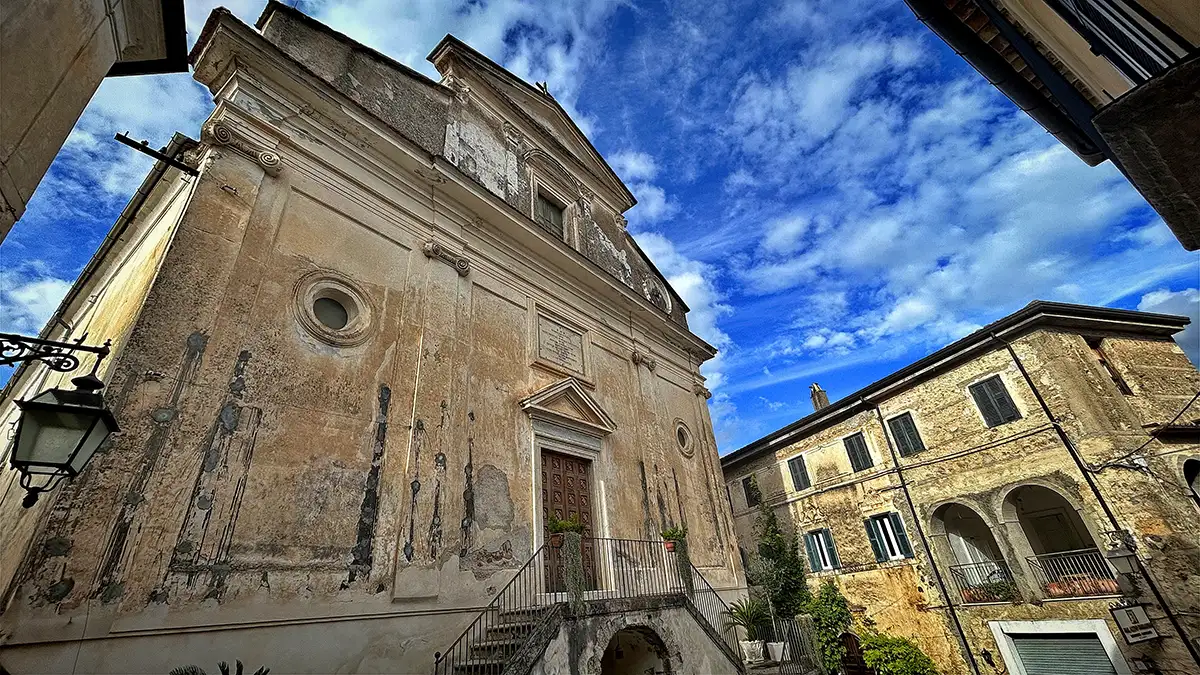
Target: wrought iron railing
[(987, 581), (611, 569), (712, 608), (504, 625), (1132, 39), (1074, 574)]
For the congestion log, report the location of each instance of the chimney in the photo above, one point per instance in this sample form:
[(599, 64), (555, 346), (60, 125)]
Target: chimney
[(819, 398)]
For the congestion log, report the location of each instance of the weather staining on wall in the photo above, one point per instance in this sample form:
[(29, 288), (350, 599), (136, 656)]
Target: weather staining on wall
[(418, 440), (362, 554), (108, 587)]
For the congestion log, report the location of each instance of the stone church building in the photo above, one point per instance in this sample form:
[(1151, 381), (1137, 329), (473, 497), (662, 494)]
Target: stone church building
[(389, 327)]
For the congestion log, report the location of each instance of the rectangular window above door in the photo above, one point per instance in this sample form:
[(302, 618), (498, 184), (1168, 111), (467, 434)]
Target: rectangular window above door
[(888, 539), (799, 473), (856, 450)]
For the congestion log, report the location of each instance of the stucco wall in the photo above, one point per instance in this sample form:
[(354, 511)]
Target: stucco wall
[(272, 479)]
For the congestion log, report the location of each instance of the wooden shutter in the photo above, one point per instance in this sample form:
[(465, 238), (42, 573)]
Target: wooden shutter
[(810, 547), (901, 537), (876, 538), (1063, 654), (983, 400), (1004, 402), (753, 498), (830, 549), (799, 472), (904, 430), (856, 450)]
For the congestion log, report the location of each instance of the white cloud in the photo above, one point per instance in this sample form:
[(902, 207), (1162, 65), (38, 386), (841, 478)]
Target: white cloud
[(695, 282), (28, 301), (1185, 302), (632, 165)]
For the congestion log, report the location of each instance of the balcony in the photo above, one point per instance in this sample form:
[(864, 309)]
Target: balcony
[(987, 581), (1073, 574)]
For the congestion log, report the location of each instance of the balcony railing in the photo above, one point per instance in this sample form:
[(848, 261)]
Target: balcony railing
[(1074, 574), (987, 581)]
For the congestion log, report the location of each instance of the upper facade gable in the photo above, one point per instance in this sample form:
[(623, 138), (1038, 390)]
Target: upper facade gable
[(536, 109)]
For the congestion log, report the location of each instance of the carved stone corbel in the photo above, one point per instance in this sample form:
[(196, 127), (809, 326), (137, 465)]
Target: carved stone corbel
[(701, 390), (219, 133), (642, 359), (622, 223), (461, 264)]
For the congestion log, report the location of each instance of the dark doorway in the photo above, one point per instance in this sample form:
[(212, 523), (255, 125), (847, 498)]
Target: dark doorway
[(852, 661), (635, 651)]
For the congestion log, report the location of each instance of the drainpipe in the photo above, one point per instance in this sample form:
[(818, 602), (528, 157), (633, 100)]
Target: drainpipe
[(1095, 489), (937, 575)]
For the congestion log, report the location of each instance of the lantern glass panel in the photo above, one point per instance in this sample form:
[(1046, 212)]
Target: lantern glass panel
[(50, 436), (99, 432)]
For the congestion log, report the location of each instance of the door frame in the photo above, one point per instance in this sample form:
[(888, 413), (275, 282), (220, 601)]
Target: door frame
[(1003, 630), (567, 441)]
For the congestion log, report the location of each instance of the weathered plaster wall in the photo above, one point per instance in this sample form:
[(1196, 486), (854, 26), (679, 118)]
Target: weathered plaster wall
[(966, 463), (108, 311), (271, 479)]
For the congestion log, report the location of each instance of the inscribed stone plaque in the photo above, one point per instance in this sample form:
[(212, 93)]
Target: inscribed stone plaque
[(560, 344)]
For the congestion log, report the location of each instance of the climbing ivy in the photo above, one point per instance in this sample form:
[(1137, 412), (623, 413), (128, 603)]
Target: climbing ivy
[(778, 567)]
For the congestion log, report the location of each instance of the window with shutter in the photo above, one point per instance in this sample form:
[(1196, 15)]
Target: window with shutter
[(549, 215), (750, 488), (799, 474), (856, 449), (994, 402), (904, 432), (822, 555), (888, 539)]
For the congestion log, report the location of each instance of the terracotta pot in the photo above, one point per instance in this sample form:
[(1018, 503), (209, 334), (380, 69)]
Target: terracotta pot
[(670, 544)]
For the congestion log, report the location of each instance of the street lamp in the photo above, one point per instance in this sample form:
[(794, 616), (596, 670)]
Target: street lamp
[(59, 429)]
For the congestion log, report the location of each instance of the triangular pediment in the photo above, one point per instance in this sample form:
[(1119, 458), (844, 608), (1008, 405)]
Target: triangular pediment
[(538, 107), (567, 402)]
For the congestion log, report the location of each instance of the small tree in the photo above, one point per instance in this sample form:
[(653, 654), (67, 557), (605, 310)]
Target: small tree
[(891, 655), (831, 618), (778, 567)]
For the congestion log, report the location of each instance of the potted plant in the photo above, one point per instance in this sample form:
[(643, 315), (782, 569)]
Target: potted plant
[(558, 526), (749, 614), (673, 534), (777, 650)]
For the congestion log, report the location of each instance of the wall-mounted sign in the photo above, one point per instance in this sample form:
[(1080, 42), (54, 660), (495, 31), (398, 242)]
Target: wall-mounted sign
[(559, 344), (1134, 623)]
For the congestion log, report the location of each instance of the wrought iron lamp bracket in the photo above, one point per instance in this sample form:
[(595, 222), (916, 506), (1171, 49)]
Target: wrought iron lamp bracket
[(57, 356)]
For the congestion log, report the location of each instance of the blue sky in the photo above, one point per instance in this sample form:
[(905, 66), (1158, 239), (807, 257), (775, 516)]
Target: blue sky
[(832, 191)]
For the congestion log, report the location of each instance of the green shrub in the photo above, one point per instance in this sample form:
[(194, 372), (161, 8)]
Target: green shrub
[(778, 567), (557, 525), (674, 533), (891, 655), (831, 618)]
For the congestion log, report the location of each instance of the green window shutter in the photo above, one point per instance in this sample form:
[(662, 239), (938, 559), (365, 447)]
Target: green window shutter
[(983, 399), (904, 430), (1004, 403), (799, 472), (856, 450), (901, 537), (814, 558), (876, 538), (831, 549)]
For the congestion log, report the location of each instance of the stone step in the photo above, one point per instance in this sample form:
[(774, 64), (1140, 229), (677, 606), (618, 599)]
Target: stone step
[(481, 665)]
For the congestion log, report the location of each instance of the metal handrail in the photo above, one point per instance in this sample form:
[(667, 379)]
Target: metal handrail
[(517, 599), (1072, 574), (708, 604), (985, 581)]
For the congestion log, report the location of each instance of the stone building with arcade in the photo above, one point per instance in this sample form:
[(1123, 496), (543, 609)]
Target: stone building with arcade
[(387, 329), (1006, 500)]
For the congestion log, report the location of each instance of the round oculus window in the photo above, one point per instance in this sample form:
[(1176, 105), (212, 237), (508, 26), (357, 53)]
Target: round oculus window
[(683, 438), (331, 313), (332, 308)]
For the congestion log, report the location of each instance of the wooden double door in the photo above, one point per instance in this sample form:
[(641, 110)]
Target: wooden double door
[(567, 494)]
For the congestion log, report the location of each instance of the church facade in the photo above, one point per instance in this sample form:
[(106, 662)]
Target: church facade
[(388, 329)]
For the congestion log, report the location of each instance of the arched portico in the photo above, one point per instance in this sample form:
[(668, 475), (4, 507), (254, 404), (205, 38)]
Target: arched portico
[(965, 543), (1058, 545), (635, 650)]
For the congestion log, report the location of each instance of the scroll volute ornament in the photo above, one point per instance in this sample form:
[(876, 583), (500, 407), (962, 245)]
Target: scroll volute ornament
[(222, 134)]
